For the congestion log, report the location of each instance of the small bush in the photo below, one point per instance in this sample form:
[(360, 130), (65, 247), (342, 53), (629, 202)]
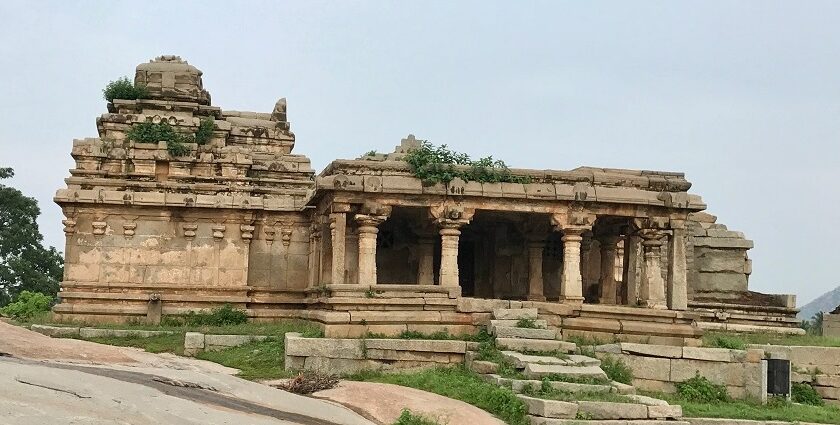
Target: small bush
[(124, 89), (701, 390), (308, 382), (205, 131), (527, 323), (408, 418), (805, 394), (222, 316), (437, 164), (617, 370), (28, 305), (147, 132)]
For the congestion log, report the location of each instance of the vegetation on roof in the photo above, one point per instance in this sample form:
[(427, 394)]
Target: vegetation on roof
[(148, 132), (123, 88), (437, 164)]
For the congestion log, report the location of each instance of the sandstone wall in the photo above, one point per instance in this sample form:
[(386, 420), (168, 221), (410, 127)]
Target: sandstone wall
[(661, 367), (819, 366)]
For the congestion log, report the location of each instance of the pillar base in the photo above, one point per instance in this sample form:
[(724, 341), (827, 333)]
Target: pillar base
[(571, 300), (535, 298), (656, 305)]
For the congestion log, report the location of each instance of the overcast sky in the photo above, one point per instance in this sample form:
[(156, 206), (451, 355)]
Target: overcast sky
[(744, 97)]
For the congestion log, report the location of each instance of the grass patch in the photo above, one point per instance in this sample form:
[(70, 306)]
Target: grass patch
[(307, 329), (591, 380), (173, 343), (775, 410), (805, 394), (617, 370), (527, 324), (408, 418), (440, 335), (739, 341), (461, 384), (260, 360)]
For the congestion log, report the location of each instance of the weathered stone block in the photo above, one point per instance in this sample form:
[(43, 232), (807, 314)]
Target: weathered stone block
[(652, 350), (519, 344), (665, 412), (483, 367), (609, 410), (652, 368), (325, 347), (708, 354), (539, 371), (515, 313), (55, 331), (436, 346), (505, 332), (549, 408)]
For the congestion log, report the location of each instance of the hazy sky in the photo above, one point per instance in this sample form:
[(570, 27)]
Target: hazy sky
[(744, 97)]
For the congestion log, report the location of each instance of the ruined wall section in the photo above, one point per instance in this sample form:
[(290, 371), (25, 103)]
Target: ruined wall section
[(218, 224)]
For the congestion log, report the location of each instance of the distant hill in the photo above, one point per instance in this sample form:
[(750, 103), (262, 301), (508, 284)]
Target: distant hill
[(825, 302)]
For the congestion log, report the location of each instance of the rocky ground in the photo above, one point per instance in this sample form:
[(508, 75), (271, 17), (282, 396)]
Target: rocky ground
[(64, 381)]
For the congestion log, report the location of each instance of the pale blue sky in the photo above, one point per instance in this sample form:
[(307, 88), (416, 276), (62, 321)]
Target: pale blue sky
[(744, 97)]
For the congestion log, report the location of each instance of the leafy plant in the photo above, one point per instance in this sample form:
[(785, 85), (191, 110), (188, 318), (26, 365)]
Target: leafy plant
[(370, 153), (725, 341), (527, 323), (805, 394), (124, 89), (700, 389), (437, 164), (148, 132), (205, 131), (408, 418), (617, 370), (222, 316), (28, 305)]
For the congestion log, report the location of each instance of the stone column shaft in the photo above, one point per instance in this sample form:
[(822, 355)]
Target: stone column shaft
[(607, 281), (367, 248), (426, 262), (571, 281), (677, 268), (633, 266), (535, 271), (652, 288), (338, 231), (449, 236)]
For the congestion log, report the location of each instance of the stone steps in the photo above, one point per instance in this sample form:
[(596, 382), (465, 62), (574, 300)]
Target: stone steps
[(526, 344), (520, 360), (510, 323), (598, 410), (538, 371), (526, 333), (517, 385), (515, 313)]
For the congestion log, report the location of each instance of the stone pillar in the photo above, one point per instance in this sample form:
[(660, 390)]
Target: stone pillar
[(571, 281), (677, 267), (607, 281), (367, 247), (535, 271), (314, 255), (338, 231), (633, 258), (585, 261), (449, 236), (426, 261), (652, 288)]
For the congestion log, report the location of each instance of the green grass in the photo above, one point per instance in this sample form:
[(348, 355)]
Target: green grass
[(528, 324), (308, 329), (173, 343), (740, 340), (617, 370), (409, 418), (261, 360), (459, 383), (548, 392), (775, 410)]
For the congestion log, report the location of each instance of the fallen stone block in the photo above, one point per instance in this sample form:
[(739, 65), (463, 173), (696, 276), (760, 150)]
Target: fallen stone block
[(483, 367), (664, 411)]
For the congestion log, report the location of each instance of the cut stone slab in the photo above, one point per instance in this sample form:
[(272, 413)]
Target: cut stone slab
[(515, 313), (623, 388), (610, 410), (523, 344), (540, 371), (584, 360), (708, 354), (58, 331), (506, 332), (652, 350), (483, 367), (647, 401), (518, 384), (665, 412), (520, 360), (542, 324), (549, 408)]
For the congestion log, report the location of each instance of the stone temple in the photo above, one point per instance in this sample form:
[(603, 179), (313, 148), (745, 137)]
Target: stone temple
[(364, 246)]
